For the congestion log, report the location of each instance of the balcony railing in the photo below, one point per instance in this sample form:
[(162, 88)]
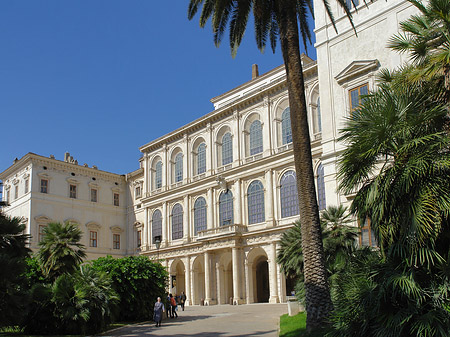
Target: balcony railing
[(222, 231)]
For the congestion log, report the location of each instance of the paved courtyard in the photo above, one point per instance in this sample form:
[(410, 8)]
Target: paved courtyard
[(216, 320)]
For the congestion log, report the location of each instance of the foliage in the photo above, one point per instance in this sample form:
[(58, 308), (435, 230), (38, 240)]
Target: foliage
[(138, 282), (398, 161), (60, 249), (338, 241), (78, 303), (426, 38), (13, 254)]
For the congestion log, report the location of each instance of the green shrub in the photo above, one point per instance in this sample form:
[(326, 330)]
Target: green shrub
[(138, 281)]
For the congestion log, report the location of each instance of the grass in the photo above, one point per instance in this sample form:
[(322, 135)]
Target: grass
[(291, 326)]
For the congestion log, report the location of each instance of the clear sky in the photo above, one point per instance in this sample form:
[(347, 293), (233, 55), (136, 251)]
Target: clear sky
[(99, 78)]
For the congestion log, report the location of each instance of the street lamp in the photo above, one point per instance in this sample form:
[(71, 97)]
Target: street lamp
[(157, 241)]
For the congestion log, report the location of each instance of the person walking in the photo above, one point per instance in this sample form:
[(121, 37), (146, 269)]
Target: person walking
[(173, 305), (182, 300), (158, 311)]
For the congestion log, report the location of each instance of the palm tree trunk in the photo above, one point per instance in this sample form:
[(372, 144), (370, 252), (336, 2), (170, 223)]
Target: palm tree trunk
[(318, 300)]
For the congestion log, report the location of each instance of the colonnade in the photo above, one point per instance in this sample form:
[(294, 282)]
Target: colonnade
[(232, 275)]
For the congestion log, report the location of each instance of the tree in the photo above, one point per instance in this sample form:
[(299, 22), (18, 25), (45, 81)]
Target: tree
[(338, 241), (60, 249), (280, 19), (426, 38), (398, 160), (13, 255), (138, 281)]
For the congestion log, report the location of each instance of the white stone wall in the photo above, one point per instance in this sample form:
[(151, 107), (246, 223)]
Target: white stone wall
[(346, 60)]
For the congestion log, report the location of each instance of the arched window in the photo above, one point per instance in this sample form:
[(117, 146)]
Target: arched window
[(256, 140), (286, 130), (158, 174), (288, 195), (255, 202), (227, 149), (319, 116), (226, 208), (201, 158), (199, 215), (156, 225), (321, 188), (177, 222), (179, 167)]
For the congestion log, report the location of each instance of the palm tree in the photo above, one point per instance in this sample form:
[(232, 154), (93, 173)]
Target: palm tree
[(60, 249), (398, 160), (426, 38), (339, 242), (13, 254), (280, 19)]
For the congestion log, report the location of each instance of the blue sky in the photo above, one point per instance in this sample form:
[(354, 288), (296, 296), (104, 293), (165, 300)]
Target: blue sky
[(101, 78)]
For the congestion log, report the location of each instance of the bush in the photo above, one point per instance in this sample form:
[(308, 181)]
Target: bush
[(138, 282)]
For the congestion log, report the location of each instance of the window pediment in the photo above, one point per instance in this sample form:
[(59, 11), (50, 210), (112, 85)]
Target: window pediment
[(116, 229), (357, 68), (44, 175), (72, 181), (93, 226), (42, 219)]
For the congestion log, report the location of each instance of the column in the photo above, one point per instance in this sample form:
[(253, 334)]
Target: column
[(145, 232), (207, 279), (186, 160), (276, 200), (209, 150), (187, 278), (248, 281), (145, 166), (267, 127), (210, 210), (186, 218), (269, 199), (236, 138), (237, 203), (219, 284), (273, 284), (165, 232), (236, 275), (165, 170)]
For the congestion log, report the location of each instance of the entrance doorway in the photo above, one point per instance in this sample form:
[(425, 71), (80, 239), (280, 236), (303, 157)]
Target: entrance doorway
[(262, 281)]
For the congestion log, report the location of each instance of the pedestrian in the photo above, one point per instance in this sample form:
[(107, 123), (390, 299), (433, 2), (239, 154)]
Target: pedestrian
[(169, 307), (182, 300), (158, 311), (173, 305)]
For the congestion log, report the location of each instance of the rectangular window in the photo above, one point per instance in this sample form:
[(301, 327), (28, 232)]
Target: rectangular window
[(116, 241), (93, 195), (44, 186), (27, 183), (116, 199), (73, 191), (367, 236), (8, 195), (355, 96), (92, 239), (138, 192), (41, 232), (139, 238), (16, 192)]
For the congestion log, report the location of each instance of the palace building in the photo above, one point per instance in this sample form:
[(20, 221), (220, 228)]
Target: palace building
[(211, 199)]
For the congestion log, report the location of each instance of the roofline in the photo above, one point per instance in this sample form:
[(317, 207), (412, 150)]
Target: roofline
[(214, 115), (31, 156)]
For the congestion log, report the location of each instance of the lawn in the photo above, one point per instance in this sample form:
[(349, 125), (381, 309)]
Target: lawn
[(291, 326)]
